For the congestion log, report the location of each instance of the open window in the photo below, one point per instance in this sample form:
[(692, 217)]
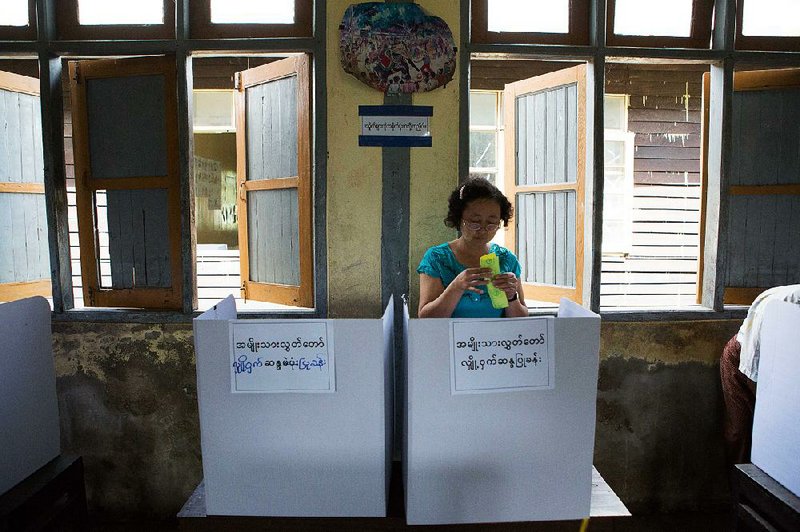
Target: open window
[(530, 21), (18, 20), (659, 23), (218, 19), (273, 137), (651, 193), (763, 193), (125, 139), (768, 25), (101, 19), (24, 252), (651, 215), (545, 174)]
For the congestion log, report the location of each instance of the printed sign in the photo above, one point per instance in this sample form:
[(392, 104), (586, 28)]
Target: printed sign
[(208, 181), (395, 125), (501, 355), (281, 356)]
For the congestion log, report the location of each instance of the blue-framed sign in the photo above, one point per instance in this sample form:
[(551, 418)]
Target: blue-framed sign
[(395, 125)]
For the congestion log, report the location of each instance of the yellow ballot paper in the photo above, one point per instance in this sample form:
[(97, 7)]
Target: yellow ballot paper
[(498, 297)]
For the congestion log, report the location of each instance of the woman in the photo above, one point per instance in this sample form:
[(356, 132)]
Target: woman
[(451, 281)]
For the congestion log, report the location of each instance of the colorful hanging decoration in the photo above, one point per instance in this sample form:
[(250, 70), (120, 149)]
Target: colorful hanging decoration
[(396, 47)]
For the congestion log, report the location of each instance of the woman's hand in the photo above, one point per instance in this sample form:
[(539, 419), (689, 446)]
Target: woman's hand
[(507, 282), (471, 278)]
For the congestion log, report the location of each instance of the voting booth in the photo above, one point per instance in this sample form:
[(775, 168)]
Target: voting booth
[(295, 415), (776, 433), (29, 425), (500, 418), (40, 488)]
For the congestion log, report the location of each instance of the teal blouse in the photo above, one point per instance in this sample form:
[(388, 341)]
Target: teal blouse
[(440, 262)]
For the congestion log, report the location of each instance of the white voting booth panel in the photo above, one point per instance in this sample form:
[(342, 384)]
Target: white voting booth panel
[(507, 456), (297, 454), (776, 432), (29, 427)]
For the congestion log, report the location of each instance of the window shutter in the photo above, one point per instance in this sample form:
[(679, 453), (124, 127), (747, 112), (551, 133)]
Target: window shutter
[(545, 119), (273, 132), (125, 139), (763, 193), (24, 250)]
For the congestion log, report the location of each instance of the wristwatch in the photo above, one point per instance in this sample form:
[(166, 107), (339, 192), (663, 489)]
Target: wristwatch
[(514, 297)]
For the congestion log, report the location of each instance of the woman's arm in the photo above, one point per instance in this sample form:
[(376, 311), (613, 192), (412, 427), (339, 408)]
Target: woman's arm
[(436, 301), (517, 309)]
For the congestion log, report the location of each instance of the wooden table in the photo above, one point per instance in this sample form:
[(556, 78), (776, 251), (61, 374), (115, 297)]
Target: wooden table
[(192, 517)]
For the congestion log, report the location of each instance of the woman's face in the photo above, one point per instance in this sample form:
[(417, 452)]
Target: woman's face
[(480, 220)]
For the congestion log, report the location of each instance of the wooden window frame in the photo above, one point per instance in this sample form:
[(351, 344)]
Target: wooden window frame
[(201, 27), (301, 295), (578, 33), (498, 130), (700, 33), (68, 27), (168, 298), (21, 33), (42, 287), (761, 42)]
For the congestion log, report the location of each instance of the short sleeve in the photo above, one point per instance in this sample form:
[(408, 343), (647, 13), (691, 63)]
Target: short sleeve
[(431, 263), (508, 261)]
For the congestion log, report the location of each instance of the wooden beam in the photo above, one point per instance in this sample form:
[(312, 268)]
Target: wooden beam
[(741, 296), (715, 228), (763, 190), (55, 180), (14, 291), (185, 163), (17, 83), (22, 188), (595, 183), (271, 184)]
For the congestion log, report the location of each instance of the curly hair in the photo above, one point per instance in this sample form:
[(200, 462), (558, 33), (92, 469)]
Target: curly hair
[(471, 190)]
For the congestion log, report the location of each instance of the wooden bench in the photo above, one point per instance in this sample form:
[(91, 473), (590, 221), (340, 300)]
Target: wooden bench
[(762, 503)]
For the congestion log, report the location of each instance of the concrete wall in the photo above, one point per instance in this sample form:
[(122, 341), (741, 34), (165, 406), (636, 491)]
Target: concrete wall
[(127, 392), (127, 397), (659, 413)]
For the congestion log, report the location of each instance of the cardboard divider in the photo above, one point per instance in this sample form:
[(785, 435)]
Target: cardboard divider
[(776, 433), (30, 434), (523, 455), (297, 454)]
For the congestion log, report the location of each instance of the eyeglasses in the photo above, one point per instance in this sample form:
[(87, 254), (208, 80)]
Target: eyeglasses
[(474, 226)]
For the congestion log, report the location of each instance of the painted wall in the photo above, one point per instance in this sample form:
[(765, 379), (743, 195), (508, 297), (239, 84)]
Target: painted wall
[(354, 190), (355, 179), (434, 171)]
